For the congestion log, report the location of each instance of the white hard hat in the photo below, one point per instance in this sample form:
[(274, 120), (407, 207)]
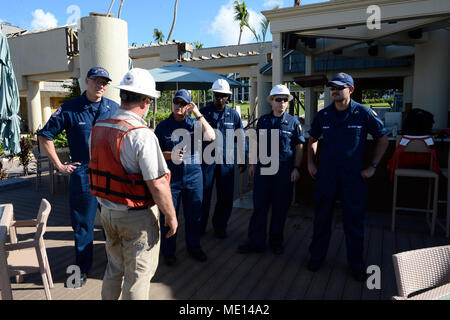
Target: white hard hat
[(222, 86), (281, 89), (139, 81)]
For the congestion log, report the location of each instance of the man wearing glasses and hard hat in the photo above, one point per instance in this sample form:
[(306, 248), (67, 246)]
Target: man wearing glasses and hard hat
[(222, 118), (130, 178), (274, 190)]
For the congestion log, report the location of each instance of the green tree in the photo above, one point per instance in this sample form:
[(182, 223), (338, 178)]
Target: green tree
[(198, 44), (158, 35), (264, 26), (174, 20), (241, 15)]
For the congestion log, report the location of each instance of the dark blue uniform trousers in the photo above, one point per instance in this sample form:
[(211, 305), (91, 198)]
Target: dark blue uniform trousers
[(275, 190), (351, 187), (83, 209), (189, 190), (224, 176)]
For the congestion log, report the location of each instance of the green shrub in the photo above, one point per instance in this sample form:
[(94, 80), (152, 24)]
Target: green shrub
[(60, 140), (26, 144)]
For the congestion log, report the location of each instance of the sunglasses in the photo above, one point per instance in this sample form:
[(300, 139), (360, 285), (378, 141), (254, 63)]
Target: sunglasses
[(180, 102), (220, 95), (337, 88), (100, 82), (281, 99)]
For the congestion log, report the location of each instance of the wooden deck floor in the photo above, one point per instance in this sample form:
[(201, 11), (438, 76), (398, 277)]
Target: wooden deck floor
[(226, 274)]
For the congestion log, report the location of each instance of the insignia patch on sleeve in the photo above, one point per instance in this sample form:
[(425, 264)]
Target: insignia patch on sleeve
[(57, 112)]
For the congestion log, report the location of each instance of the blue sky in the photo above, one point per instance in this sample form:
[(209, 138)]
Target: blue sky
[(208, 21)]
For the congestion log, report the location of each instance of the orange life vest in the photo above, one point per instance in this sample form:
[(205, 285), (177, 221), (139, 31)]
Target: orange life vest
[(413, 159), (107, 177)]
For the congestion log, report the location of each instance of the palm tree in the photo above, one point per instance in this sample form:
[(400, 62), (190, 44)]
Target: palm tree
[(264, 25), (120, 9), (198, 45), (241, 15), (158, 35), (174, 20), (110, 7)]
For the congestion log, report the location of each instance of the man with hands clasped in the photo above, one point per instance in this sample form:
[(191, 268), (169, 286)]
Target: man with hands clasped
[(274, 189)]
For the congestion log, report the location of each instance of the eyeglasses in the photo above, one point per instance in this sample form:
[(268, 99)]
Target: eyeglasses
[(337, 88), (180, 102), (100, 82), (281, 99), (220, 95)]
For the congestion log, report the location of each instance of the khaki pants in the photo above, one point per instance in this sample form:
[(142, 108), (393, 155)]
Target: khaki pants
[(132, 247)]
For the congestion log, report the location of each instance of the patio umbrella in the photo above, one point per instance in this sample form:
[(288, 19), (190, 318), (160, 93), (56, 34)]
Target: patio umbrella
[(178, 76), (9, 102)]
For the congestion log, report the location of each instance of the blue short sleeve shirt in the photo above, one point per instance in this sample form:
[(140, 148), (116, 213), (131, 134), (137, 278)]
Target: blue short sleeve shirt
[(225, 120), (290, 134), (345, 133), (77, 117)]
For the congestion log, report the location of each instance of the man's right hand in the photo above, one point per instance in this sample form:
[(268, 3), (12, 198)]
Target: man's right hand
[(68, 168), (251, 171), (312, 170), (172, 223)]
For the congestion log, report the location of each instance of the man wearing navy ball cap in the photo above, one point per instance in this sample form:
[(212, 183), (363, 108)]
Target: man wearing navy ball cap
[(77, 117), (343, 126)]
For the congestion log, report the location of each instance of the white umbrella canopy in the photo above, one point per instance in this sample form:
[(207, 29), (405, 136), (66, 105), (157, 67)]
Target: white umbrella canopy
[(9, 102)]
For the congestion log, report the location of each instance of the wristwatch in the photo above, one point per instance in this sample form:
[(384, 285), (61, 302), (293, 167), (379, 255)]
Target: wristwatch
[(374, 165)]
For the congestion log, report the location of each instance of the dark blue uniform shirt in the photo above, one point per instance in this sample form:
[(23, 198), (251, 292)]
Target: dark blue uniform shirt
[(345, 133), (164, 132), (77, 117), (290, 134), (223, 120)]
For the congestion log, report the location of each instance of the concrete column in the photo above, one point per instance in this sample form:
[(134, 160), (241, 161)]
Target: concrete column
[(277, 59), (310, 95), (408, 83), (327, 96), (310, 106), (253, 95), (46, 109), (34, 106), (431, 76), (104, 43), (264, 88)]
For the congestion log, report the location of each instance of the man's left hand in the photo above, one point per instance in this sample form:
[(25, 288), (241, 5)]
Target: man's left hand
[(295, 175), (368, 172), (242, 168)]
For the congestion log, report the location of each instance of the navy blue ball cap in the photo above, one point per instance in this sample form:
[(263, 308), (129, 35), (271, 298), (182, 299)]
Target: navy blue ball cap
[(98, 72), (183, 94), (341, 79)]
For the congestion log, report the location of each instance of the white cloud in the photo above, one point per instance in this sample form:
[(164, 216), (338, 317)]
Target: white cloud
[(270, 4), (227, 29), (42, 20)]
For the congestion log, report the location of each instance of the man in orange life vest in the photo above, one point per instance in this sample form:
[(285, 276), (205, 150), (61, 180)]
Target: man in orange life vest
[(129, 175)]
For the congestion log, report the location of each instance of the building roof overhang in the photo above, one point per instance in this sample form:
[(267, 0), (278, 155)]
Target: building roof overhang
[(342, 27)]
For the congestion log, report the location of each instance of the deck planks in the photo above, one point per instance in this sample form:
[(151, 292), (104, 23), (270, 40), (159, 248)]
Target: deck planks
[(227, 274)]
